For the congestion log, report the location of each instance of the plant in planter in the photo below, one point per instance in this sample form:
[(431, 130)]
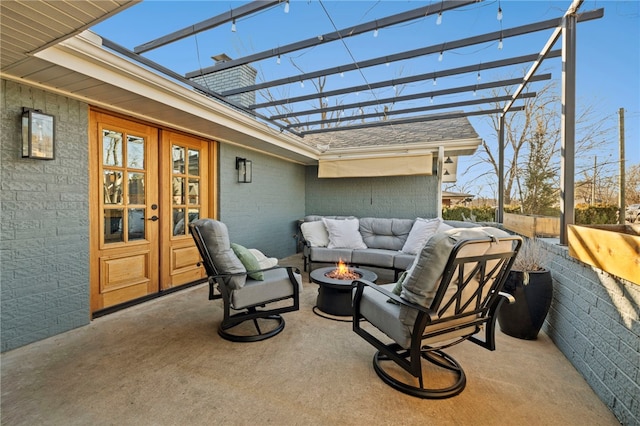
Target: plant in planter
[(530, 283)]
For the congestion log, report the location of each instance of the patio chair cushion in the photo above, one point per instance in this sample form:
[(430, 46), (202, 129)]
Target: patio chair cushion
[(344, 233), (225, 260), (276, 285), (315, 233), (424, 277), (421, 231), (248, 260)]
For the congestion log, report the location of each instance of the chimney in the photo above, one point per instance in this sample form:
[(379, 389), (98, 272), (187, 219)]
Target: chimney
[(231, 78)]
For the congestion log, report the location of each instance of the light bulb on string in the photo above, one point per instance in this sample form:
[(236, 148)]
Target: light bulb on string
[(441, 56), (432, 99), (375, 32), (233, 26), (342, 74), (286, 7), (439, 20), (499, 12), (278, 60), (478, 78), (435, 82), (302, 84), (500, 44)]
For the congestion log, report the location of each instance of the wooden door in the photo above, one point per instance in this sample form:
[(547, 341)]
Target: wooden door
[(186, 183), (124, 207)]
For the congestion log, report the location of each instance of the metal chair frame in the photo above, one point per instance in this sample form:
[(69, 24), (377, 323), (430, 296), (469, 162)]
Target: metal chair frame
[(482, 316)]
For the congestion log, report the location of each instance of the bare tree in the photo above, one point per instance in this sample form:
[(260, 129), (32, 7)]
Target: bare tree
[(523, 132)]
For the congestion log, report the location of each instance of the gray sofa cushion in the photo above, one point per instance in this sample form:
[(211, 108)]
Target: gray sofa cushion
[(323, 254), (216, 235), (385, 233), (403, 261), (276, 284), (378, 257)]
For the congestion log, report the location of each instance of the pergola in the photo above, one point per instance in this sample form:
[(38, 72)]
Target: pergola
[(351, 115)]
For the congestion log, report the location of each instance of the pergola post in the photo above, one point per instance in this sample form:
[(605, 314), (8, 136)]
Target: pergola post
[(500, 211), (567, 126)]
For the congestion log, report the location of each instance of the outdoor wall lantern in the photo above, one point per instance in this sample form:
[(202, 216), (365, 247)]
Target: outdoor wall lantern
[(38, 134), (244, 170)]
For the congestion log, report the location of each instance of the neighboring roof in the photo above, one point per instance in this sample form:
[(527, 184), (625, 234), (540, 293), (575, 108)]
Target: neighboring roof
[(448, 194)]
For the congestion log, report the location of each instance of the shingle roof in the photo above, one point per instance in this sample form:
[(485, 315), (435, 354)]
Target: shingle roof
[(452, 129)]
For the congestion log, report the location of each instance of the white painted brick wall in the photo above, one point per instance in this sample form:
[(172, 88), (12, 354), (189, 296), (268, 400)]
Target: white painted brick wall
[(595, 321)]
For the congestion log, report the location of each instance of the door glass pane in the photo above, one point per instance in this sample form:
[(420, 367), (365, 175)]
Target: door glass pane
[(178, 159), (111, 148), (136, 188), (194, 162), (112, 184), (136, 224), (178, 190), (113, 225), (194, 214), (194, 191), (178, 222), (135, 152)]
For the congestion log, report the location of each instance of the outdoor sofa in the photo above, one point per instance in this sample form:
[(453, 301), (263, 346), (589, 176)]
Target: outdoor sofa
[(388, 243)]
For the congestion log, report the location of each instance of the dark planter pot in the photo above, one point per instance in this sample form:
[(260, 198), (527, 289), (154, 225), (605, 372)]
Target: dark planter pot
[(524, 318)]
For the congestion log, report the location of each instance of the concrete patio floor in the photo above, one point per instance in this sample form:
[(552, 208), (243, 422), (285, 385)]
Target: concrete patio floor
[(162, 363)]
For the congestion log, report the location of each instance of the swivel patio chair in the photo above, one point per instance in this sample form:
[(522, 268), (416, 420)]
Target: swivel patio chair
[(245, 294), (449, 295)]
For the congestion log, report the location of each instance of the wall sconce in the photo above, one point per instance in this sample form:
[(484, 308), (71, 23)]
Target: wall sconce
[(38, 134), (243, 166)]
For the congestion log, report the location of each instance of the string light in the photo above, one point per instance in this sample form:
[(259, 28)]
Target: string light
[(439, 20), (302, 84), (233, 26), (286, 7), (278, 60), (479, 78), (375, 32), (441, 56), (432, 99), (342, 74), (500, 44), (435, 82), (499, 12)]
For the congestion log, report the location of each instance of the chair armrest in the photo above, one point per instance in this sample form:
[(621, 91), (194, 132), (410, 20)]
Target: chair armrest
[(237, 274), (509, 297)]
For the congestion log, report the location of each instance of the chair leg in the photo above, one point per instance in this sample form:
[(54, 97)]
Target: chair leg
[(436, 357)]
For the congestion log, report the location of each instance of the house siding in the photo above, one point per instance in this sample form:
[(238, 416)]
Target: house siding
[(595, 321), (44, 239), (394, 196), (262, 214)]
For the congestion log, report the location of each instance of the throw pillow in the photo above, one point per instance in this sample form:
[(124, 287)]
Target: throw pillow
[(315, 233), (264, 261), (344, 233), (443, 227), (248, 260), (421, 231)]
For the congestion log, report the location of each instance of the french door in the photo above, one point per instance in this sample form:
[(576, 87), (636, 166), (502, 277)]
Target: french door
[(147, 185)]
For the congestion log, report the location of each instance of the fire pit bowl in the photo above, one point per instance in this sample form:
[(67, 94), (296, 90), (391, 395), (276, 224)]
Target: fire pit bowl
[(334, 295)]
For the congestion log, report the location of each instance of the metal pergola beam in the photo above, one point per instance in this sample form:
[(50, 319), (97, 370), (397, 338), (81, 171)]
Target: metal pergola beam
[(395, 99), (337, 35), (410, 79), (442, 47), (128, 53), (434, 117), (223, 18), (411, 110)]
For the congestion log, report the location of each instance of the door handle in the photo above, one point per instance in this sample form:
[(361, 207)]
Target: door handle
[(153, 218)]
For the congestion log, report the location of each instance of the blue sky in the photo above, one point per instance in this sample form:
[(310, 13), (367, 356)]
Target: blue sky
[(608, 52)]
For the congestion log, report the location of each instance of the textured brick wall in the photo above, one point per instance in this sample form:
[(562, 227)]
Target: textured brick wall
[(262, 214), (44, 224), (232, 78), (595, 321), (398, 196)]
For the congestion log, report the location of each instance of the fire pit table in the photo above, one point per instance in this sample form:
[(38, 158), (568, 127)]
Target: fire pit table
[(334, 295)]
